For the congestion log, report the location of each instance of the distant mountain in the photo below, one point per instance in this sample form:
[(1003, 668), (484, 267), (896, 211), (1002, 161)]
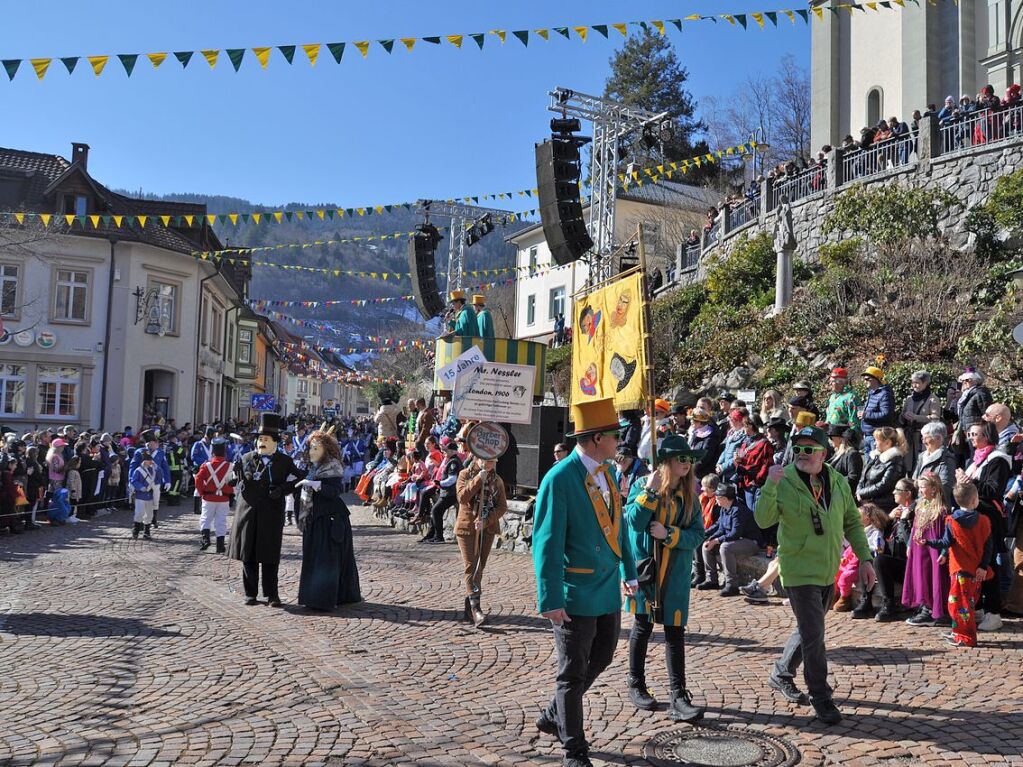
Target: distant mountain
[(386, 319)]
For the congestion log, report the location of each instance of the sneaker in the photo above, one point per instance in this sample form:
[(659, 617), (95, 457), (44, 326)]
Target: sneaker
[(952, 641), (990, 622), (886, 614), (922, 618), (729, 591), (577, 759), (547, 726), (753, 590), (708, 586), (788, 690), (948, 635), (827, 711), (640, 695)]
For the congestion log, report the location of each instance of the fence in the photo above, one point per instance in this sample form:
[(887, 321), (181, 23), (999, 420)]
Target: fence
[(878, 158), (744, 213), (980, 128), (803, 184)]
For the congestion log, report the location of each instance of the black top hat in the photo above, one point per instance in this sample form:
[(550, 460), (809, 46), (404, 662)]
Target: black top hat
[(149, 436), (271, 425)]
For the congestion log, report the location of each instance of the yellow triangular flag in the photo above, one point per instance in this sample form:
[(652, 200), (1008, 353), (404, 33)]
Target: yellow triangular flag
[(262, 56), (582, 32), (410, 43), (379, 208), (211, 57), (819, 12), (623, 28), (156, 59), (94, 220), (312, 50), (363, 46), (277, 216), (69, 219), (211, 219), (791, 15), (659, 26), (728, 18), (299, 214), (900, 3), (872, 6), (233, 217), (544, 33), (189, 220), (455, 40), (40, 66), (361, 211), (320, 214), (98, 62), (694, 17), (45, 218), (165, 220), (758, 18), (19, 217), (257, 217), (501, 33), (142, 221), (118, 220)]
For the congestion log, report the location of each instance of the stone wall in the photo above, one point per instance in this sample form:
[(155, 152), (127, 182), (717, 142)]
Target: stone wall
[(516, 530)]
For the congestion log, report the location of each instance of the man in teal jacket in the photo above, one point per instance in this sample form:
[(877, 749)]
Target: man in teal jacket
[(814, 509), (484, 320), (464, 318), (580, 556)]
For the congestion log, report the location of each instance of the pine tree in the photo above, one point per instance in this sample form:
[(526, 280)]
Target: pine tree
[(647, 74)]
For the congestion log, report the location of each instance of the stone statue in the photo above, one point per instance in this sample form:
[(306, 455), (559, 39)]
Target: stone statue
[(784, 247)]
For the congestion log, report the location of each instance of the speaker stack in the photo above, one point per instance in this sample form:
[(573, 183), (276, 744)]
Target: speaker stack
[(558, 169), (536, 441), (422, 265)]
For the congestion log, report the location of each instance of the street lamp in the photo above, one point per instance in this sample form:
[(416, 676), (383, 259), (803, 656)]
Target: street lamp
[(760, 146)]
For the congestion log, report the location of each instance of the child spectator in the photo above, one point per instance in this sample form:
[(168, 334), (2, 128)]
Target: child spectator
[(875, 524), (709, 510), (966, 547), (925, 586), (73, 483)]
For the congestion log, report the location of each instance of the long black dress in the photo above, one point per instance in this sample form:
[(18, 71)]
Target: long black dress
[(329, 574)]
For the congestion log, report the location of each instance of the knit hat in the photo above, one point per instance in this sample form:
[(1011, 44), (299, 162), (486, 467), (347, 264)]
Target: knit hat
[(874, 372)]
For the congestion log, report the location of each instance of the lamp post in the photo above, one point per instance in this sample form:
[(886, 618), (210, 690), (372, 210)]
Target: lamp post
[(760, 146)]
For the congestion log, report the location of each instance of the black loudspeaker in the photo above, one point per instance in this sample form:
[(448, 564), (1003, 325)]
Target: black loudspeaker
[(536, 441), (561, 210), (423, 267)]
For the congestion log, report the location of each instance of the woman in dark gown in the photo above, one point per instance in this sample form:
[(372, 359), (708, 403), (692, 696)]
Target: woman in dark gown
[(329, 575)]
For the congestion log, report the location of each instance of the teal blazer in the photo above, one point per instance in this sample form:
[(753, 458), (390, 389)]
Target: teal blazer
[(465, 323), (485, 323), (677, 554), (576, 567)]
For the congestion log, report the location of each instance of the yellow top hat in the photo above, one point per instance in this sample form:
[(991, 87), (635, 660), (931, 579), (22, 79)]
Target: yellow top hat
[(806, 418), (456, 295), (479, 300), (594, 416)]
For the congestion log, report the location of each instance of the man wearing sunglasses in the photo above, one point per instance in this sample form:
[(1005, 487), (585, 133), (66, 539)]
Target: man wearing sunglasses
[(582, 560), (814, 509)]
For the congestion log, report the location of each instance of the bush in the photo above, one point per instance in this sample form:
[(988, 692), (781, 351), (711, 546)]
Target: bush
[(1006, 202), (745, 275), (889, 213)]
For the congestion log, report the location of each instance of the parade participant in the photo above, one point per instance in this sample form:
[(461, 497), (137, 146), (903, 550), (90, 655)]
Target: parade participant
[(151, 440), (482, 501), (843, 406), (213, 482), (266, 475), (580, 554), (814, 509), (464, 322), (144, 480), (296, 446), (484, 320), (177, 464), (201, 452), (236, 448), (665, 527), (329, 576)]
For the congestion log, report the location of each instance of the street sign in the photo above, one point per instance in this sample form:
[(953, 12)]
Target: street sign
[(265, 402), (488, 441)]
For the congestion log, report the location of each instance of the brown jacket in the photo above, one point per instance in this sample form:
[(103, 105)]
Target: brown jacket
[(424, 423), (468, 492)]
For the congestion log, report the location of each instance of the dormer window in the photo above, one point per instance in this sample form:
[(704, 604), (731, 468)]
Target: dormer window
[(76, 204)]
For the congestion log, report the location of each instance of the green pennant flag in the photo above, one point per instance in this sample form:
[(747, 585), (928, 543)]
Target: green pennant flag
[(741, 18), (309, 214), (885, 4), (833, 9), (563, 31), (388, 208), (81, 221), (288, 52), (245, 218), (330, 213), (222, 218), (128, 62), (602, 28), (11, 65), (677, 23), (105, 220), (804, 15), (478, 39), (387, 45), (236, 55), (70, 63), (349, 212), (523, 36), (184, 57), (434, 40), (772, 16), (337, 50), (287, 215)]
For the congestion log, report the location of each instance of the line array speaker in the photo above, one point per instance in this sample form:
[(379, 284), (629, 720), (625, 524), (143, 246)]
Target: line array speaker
[(422, 265), (561, 210)]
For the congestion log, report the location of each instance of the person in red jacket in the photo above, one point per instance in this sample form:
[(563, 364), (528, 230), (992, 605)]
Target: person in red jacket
[(213, 483), (753, 459)]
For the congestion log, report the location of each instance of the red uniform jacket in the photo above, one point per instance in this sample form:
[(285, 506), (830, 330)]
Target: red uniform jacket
[(211, 480)]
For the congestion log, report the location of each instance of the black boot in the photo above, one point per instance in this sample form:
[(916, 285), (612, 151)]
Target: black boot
[(145, 533), (640, 695), (136, 529), (204, 542), (681, 708), (291, 515), (155, 523), (221, 548), (865, 607), (887, 613), (699, 572), (467, 610)]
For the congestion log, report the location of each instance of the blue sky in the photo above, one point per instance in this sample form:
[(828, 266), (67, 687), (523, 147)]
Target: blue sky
[(438, 122)]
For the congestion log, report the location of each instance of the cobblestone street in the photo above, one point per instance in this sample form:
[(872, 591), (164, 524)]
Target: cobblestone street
[(132, 653)]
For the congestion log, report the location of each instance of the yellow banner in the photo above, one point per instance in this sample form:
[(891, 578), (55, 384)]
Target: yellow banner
[(608, 356)]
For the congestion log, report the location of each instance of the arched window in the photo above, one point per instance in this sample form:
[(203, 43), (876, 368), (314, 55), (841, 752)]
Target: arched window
[(875, 106)]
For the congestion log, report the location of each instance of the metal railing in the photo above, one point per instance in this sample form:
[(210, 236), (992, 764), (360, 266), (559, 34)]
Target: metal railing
[(988, 126), (803, 184), (743, 213), (877, 158), (689, 258), (711, 236)]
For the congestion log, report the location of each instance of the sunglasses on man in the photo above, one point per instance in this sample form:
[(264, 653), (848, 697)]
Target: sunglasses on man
[(806, 449)]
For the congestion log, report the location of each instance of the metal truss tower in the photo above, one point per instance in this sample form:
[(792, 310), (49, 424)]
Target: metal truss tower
[(460, 215)]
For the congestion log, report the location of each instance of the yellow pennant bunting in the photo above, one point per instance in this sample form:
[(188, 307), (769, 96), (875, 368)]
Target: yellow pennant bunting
[(98, 62), (118, 220), (40, 66), (233, 218), (211, 57), (257, 217), (142, 221), (582, 32), (45, 218), (69, 219), (758, 18), (544, 33), (623, 28), (659, 26), (211, 219), (189, 220), (20, 218), (165, 220), (819, 12), (363, 46), (262, 55), (94, 220), (312, 52), (455, 40), (501, 33), (791, 15), (410, 43), (156, 59), (277, 216)]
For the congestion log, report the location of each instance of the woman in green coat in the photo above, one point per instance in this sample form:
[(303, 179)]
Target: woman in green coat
[(664, 512)]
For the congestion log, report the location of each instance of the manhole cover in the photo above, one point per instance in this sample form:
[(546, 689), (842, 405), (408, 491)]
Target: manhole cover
[(708, 747)]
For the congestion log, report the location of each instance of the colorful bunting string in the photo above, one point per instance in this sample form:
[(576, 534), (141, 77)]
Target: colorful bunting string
[(264, 54)]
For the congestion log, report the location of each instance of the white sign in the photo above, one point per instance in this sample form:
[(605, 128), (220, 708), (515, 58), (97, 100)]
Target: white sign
[(749, 396), (468, 359), (25, 338), (495, 392)]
